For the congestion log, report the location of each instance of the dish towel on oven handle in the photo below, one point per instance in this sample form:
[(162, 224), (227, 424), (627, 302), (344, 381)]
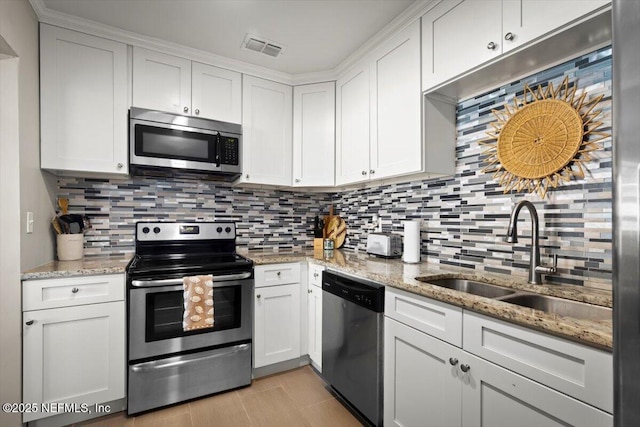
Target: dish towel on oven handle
[(198, 302)]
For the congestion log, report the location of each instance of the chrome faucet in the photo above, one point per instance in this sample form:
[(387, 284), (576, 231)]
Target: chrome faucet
[(535, 269)]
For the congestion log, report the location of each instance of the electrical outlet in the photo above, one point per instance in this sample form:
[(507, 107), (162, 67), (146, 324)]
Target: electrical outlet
[(30, 222)]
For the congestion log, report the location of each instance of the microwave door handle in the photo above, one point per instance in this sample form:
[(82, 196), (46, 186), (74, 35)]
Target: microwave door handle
[(218, 150)]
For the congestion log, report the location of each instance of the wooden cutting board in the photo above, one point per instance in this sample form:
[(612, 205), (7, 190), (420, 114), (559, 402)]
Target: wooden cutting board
[(335, 228)]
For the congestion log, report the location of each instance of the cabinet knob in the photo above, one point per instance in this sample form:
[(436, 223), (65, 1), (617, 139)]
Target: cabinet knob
[(29, 322), (185, 109), (364, 172), (372, 171), (258, 296), (278, 274), (197, 112), (453, 361), (465, 368), (315, 275), (247, 176), (509, 36), (310, 291), (297, 179), (492, 46), (119, 165), (75, 290)]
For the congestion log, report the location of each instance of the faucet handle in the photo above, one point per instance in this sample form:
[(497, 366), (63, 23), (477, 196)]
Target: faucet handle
[(549, 270)]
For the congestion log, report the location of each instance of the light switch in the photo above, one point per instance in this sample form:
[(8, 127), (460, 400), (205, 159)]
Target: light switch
[(30, 222)]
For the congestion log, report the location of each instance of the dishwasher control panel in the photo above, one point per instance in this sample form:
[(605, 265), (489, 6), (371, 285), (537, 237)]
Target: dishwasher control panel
[(359, 291)]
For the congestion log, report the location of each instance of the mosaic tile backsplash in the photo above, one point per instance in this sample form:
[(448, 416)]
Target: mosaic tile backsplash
[(464, 217)]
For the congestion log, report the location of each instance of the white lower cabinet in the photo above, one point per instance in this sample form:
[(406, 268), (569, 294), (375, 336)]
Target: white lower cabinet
[(74, 354), (430, 382), (276, 324), (314, 313)]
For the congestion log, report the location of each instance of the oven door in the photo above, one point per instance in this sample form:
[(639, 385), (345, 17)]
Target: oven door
[(156, 309)]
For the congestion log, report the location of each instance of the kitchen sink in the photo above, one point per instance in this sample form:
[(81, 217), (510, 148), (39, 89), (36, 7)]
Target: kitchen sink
[(469, 286), (561, 307)]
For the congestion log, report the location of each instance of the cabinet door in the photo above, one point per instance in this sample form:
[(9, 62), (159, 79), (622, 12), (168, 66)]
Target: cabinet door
[(352, 126), (314, 324), (217, 93), (456, 37), (314, 109), (74, 355), (526, 20), (495, 397), (83, 102), (396, 143), (421, 385), (161, 82), (266, 121), (276, 324)]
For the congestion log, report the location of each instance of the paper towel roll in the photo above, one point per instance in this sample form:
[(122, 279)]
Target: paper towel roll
[(411, 253)]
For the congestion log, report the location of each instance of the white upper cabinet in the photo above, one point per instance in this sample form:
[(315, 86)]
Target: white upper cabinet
[(352, 126), (459, 35), (314, 134), (267, 124), (176, 85), (217, 93), (83, 103), (526, 20), (396, 143), (161, 82)]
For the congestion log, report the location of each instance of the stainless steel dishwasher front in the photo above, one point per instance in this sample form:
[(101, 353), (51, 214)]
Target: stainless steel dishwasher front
[(352, 341)]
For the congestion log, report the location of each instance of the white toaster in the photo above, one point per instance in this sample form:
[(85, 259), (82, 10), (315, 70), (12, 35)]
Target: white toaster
[(386, 245)]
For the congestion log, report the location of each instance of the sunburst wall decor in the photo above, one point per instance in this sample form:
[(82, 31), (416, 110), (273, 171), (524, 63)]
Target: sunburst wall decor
[(543, 139)]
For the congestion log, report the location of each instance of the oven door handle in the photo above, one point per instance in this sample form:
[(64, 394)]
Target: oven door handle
[(145, 283), (181, 360)]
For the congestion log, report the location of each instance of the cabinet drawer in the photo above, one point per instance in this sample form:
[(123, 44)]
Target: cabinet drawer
[(315, 275), (70, 291), (571, 368), (277, 274), (435, 318)]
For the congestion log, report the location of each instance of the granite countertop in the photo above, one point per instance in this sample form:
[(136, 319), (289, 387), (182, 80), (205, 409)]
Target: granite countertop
[(84, 267), (399, 275)]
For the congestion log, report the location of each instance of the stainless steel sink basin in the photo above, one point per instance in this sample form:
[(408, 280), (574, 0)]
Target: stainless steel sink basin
[(561, 307), (469, 286)]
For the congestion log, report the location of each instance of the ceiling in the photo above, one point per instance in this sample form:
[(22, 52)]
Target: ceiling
[(318, 34)]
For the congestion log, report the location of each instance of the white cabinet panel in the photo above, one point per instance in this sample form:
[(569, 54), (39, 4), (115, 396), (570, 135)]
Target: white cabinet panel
[(315, 274), (65, 292), (396, 141), (495, 397), (83, 102), (314, 324), (277, 274), (161, 82), (421, 384), (352, 126), (314, 134), (217, 93), (276, 324), (74, 355), (267, 131), (526, 20)]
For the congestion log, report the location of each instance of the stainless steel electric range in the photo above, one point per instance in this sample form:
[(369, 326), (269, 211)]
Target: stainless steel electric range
[(167, 365)]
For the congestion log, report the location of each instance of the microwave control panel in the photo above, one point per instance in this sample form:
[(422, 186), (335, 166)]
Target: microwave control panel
[(229, 152)]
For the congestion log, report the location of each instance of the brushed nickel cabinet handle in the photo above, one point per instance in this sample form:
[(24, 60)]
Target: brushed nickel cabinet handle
[(492, 46), (75, 290), (509, 36)]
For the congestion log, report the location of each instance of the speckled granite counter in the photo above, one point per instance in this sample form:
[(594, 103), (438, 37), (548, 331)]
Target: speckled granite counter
[(397, 274), (84, 267)]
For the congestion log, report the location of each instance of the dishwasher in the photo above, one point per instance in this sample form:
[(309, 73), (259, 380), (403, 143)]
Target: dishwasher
[(352, 341)]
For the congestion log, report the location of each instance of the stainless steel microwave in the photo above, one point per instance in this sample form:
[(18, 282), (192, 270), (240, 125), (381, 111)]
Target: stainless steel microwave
[(165, 142)]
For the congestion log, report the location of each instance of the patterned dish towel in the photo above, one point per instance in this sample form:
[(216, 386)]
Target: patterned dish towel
[(198, 302)]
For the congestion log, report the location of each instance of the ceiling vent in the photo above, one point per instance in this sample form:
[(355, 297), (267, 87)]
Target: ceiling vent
[(262, 45)]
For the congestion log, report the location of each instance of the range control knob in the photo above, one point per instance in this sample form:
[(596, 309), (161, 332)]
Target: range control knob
[(219, 229), (156, 230), (228, 229), (145, 230)]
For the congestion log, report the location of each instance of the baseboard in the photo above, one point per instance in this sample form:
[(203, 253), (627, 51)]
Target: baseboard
[(287, 365)]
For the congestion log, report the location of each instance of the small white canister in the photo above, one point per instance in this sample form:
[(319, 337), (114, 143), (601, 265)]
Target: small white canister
[(70, 246), (411, 252)]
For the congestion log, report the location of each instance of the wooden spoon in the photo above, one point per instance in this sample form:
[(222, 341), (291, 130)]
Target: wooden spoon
[(64, 205), (56, 225)]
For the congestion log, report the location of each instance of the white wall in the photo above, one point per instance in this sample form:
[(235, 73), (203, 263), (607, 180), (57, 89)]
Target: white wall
[(19, 28)]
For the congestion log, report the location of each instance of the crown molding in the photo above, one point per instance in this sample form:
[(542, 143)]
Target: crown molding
[(407, 17)]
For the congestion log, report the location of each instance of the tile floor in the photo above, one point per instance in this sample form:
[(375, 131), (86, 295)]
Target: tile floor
[(294, 398)]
